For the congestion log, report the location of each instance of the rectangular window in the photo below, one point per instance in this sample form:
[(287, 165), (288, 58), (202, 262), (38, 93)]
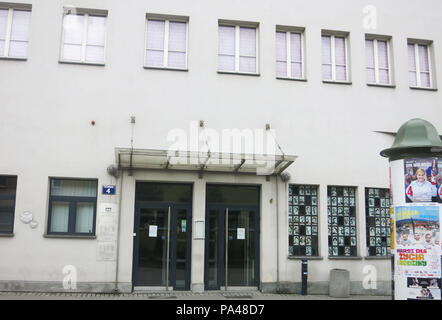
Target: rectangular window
[(378, 61), (72, 207), (14, 33), (377, 217), (237, 49), (166, 43), (289, 55), (303, 220), (419, 65), (334, 58), (84, 37), (8, 186), (341, 206)]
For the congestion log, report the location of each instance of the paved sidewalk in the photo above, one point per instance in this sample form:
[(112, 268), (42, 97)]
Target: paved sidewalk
[(175, 296)]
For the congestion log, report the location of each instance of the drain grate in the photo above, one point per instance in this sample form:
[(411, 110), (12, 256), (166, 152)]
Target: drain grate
[(162, 297)]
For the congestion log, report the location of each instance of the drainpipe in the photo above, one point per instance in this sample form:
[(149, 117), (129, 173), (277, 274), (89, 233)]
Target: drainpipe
[(277, 235), (118, 233)]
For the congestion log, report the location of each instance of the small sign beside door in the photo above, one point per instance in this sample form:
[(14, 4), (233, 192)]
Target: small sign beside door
[(153, 231), (240, 233)]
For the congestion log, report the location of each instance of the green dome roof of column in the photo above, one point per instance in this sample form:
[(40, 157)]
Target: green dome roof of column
[(415, 138)]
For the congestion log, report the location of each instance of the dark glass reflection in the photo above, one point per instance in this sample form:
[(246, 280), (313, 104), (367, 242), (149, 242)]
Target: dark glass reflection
[(163, 192)]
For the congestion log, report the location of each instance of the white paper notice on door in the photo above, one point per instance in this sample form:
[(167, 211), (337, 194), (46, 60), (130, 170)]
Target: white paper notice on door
[(240, 233), (153, 230)]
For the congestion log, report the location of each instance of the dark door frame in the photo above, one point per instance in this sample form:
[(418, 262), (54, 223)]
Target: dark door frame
[(221, 209), (174, 207)]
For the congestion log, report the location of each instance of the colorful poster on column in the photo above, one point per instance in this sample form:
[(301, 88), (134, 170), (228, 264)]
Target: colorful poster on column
[(418, 252), (423, 180)]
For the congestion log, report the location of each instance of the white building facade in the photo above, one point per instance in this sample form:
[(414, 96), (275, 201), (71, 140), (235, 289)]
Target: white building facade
[(91, 84)]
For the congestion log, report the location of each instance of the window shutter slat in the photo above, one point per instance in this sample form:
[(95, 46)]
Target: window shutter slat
[(247, 42), (226, 40), (295, 47), (423, 58), (340, 51), (281, 54), (3, 24), (177, 36), (96, 31), (411, 58), (155, 34), (383, 54), (369, 53), (155, 43), (326, 49), (73, 29), (281, 46), (226, 48)]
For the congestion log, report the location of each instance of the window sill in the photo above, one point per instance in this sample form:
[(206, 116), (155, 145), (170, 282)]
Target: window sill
[(292, 79), (377, 257), (82, 63), (344, 258), (423, 88), (240, 73), (165, 68), (381, 85), (337, 82), (305, 258), (13, 59), (6, 235), (69, 236)]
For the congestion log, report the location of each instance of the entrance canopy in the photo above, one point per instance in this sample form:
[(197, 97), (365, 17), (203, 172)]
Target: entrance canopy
[(128, 158)]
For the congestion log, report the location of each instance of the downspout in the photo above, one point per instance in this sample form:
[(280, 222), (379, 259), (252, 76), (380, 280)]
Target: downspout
[(277, 236), (118, 233)]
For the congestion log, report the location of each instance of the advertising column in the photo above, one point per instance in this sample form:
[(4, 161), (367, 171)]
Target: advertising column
[(416, 189)]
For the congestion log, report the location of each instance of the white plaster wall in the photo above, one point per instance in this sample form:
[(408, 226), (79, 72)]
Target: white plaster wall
[(46, 110)]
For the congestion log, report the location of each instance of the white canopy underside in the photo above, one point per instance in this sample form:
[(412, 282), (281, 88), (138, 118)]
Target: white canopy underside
[(128, 158)]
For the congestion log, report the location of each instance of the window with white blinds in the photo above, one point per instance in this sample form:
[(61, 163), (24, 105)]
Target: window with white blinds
[(237, 49), (289, 55), (378, 61), (84, 38), (419, 68), (334, 58), (14, 33), (166, 44)]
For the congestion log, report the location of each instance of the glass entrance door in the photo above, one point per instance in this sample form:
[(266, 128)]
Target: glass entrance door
[(162, 246), (232, 246)]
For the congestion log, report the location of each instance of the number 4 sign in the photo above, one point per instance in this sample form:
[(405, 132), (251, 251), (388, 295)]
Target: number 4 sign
[(109, 190)]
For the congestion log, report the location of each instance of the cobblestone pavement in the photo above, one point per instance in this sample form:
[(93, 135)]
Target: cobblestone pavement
[(175, 296)]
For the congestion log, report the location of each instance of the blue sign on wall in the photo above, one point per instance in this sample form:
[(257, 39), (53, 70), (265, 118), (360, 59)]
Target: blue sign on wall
[(109, 190)]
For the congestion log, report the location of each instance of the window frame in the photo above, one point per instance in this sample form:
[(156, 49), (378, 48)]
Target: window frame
[(11, 8), (288, 31), (416, 44), (86, 13), (375, 40), (333, 35), (73, 201), (167, 19), (238, 25), (13, 198)]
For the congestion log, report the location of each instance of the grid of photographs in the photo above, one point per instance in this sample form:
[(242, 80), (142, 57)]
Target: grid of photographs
[(303, 220), (341, 207), (377, 217)]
